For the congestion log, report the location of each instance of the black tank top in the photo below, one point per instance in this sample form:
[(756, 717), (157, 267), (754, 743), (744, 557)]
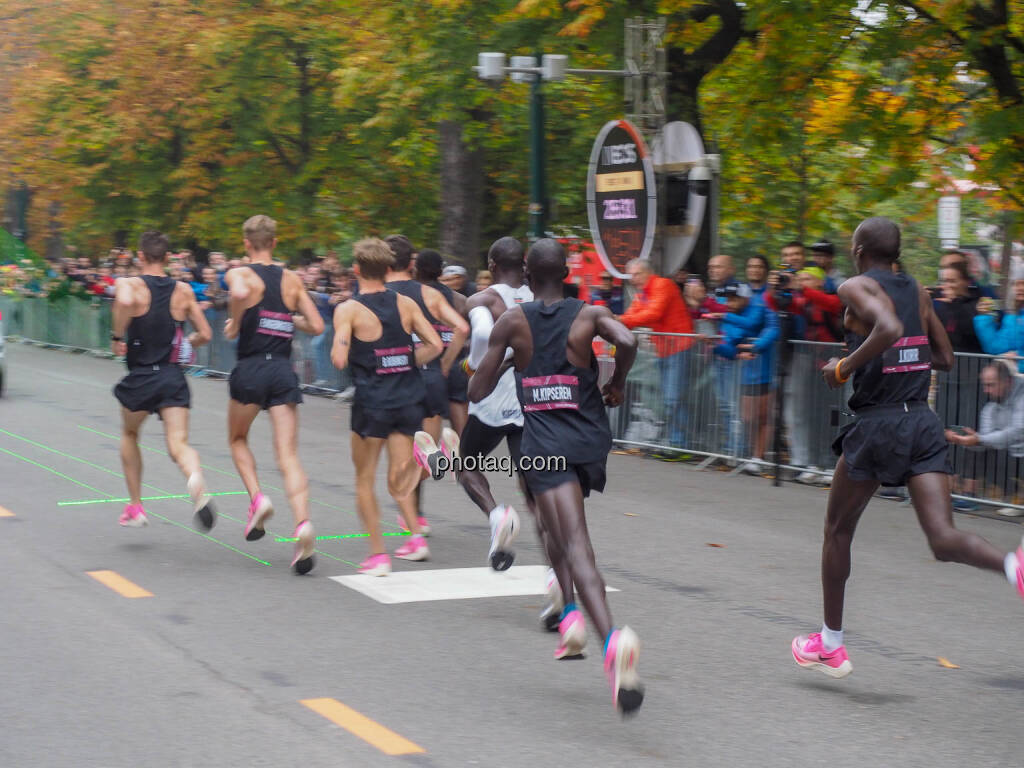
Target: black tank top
[(267, 327), (902, 373), (150, 337), (384, 370), (563, 411), (414, 290)]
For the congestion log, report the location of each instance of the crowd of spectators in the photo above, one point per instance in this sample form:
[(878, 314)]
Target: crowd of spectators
[(722, 327)]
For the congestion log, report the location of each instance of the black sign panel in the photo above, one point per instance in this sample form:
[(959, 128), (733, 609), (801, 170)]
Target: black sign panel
[(621, 196)]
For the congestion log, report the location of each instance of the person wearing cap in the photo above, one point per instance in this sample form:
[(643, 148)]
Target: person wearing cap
[(750, 331), (1006, 337), (658, 305), (456, 277), (824, 253)]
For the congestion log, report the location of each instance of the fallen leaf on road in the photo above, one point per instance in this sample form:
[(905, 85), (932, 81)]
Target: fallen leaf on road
[(943, 662), (630, 514), (710, 544)]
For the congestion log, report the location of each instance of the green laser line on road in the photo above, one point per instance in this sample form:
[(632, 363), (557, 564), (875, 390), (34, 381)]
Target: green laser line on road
[(97, 490), (222, 472), (145, 498)]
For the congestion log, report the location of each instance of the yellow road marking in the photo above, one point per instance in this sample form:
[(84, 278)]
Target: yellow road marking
[(119, 584), (6, 512), (387, 741)]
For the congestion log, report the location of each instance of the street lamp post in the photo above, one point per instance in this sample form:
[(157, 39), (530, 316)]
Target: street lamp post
[(553, 67)]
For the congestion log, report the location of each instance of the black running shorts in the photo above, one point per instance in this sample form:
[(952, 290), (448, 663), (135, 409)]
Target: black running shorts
[(891, 444), (153, 388), (458, 384), (435, 397), (479, 439), (382, 422), (265, 382), (591, 477)]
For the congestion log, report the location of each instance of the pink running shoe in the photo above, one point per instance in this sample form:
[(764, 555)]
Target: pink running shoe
[(260, 510), (427, 454), (574, 636), (376, 565), (420, 521), (304, 561), (621, 655), (133, 516), (414, 549), (809, 652)]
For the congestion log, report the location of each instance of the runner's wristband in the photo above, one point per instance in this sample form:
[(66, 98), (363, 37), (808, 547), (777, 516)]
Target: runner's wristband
[(839, 372), (114, 337), (466, 367)]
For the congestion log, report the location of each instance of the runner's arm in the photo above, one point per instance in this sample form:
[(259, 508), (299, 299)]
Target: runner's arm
[(938, 339), (201, 333), (494, 363), (876, 311), (239, 292), (124, 302), (308, 320), (451, 317), (431, 343), (342, 335), (618, 335)]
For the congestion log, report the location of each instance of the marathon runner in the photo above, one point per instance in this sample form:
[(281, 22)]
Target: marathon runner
[(148, 314), (441, 315), (373, 336), (566, 440), (428, 269), (498, 416), (895, 340), (267, 305)]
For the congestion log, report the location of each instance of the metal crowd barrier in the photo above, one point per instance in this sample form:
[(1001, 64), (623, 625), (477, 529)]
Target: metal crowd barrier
[(692, 401)]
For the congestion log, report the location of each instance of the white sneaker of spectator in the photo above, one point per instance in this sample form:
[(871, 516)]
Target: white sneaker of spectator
[(751, 468), (810, 477), (1010, 512)]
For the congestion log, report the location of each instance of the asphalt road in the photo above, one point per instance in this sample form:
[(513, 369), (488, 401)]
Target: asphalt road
[(211, 669)]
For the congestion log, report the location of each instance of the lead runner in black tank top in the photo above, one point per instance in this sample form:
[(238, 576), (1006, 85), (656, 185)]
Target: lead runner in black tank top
[(894, 340), (564, 416)]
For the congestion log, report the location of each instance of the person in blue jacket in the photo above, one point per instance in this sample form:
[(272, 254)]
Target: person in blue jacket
[(751, 329), (999, 338)]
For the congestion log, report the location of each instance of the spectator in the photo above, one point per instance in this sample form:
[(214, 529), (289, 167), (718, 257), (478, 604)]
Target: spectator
[(680, 278), (821, 310), (801, 362), (607, 294), (657, 305), (757, 275), (696, 295), (1007, 337), (750, 331), (957, 307), (824, 254), (720, 274), (456, 278), (792, 256), (320, 345), (1000, 435), (484, 280)]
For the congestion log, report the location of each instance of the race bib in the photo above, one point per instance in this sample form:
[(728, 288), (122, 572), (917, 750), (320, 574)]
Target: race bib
[(911, 353), (276, 324), (548, 393), (393, 360)]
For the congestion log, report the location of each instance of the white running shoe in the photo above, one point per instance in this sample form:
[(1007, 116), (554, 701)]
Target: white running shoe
[(551, 616), (304, 561), (504, 529)]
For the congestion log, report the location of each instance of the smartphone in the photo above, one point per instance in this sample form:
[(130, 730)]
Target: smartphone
[(957, 429)]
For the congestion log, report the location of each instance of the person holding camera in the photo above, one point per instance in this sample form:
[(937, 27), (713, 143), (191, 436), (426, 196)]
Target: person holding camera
[(1006, 337)]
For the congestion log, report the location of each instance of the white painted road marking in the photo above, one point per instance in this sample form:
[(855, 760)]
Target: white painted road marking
[(450, 584)]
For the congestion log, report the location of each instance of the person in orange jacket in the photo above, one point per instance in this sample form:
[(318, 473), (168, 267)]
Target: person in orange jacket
[(658, 305)]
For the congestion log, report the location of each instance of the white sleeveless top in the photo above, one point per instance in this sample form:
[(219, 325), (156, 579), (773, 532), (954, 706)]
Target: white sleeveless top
[(501, 407)]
